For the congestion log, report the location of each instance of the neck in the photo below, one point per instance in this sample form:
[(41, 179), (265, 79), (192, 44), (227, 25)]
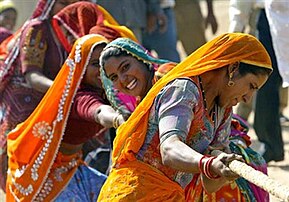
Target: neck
[(210, 84)]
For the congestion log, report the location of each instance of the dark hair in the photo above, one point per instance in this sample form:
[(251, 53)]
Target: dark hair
[(99, 44), (117, 52), (245, 68), (111, 52)]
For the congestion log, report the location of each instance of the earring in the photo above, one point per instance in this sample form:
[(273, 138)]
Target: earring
[(231, 83)]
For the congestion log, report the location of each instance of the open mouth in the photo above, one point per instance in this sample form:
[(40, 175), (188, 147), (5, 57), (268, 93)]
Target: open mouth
[(132, 84)]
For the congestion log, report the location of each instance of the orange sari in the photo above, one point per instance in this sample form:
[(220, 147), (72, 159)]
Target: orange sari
[(35, 165), (129, 179)]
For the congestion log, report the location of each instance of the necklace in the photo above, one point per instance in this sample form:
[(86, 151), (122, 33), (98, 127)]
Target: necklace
[(212, 113), (203, 93)]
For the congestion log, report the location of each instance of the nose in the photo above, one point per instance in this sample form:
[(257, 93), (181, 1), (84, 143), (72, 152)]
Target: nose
[(247, 97), (122, 78), (121, 81)]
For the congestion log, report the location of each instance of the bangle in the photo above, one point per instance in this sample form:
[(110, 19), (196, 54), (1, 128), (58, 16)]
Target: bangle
[(207, 171), (115, 122), (204, 167), (200, 165)]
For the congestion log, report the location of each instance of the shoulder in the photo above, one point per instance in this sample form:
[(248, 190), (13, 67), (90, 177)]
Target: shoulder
[(35, 29), (185, 84), (181, 89)]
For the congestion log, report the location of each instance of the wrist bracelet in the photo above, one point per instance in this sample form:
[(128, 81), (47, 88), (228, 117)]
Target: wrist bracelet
[(115, 123), (200, 165), (207, 171), (205, 167)]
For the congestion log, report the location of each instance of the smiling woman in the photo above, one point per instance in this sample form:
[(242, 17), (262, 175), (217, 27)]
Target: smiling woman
[(131, 76), (167, 145)]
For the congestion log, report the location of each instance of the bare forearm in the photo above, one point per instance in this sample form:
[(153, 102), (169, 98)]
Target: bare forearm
[(180, 156), (38, 81)]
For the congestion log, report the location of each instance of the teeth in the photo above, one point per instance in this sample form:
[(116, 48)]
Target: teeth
[(132, 84)]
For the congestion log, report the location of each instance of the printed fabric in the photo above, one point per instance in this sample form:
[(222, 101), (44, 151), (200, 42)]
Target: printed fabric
[(131, 136)]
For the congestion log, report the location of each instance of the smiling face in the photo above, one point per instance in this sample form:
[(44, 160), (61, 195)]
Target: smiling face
[(242, 91), (92, 74), (129, 75)]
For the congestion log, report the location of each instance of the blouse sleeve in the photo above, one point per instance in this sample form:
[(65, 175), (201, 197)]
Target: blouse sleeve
[(33, 47), (85, 104), (175, 108)]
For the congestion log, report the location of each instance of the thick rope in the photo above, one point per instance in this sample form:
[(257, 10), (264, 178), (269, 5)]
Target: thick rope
[(260, 179)]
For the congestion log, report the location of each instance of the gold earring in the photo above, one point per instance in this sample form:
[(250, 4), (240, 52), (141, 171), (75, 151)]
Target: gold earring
[(231, 83)]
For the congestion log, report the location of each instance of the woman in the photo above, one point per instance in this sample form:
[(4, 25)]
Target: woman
[(52, 137), (19, 54), (181, 117), (8, 16), (40, 50)]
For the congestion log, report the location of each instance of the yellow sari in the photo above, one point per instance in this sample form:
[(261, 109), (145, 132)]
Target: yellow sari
[(132, 180)]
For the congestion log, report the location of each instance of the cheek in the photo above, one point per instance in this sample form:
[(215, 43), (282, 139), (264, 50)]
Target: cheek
[(227, 96), (117, 85), (97, 72)]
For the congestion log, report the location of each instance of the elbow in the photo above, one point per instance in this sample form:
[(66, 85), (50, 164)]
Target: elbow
[(166, 154)]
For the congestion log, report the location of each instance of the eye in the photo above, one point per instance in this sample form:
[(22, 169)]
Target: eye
[(96, 64), (125, 67), (113, 78), (252, 87)]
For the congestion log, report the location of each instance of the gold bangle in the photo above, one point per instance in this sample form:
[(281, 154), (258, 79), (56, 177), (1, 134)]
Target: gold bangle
[(115, 123)]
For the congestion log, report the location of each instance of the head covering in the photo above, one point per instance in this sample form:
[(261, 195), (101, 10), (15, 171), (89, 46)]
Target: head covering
[(42, 9), (126, 104), (109, 28), (6, 4), (135, 50), (41, 134), (79, 18), (76, 19), (219, 52)]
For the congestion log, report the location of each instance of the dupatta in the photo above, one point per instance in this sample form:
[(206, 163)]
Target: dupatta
[(219, 52), (79, 18), (37, 171)]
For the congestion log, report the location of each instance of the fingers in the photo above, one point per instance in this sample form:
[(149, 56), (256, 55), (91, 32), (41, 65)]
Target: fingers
[(221, 165)]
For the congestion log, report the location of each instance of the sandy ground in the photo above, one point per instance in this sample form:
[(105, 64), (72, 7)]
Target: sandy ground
[(278, 171)]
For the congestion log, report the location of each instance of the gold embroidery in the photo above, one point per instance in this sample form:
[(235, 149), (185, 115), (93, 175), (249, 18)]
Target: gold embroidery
[(34, 48)]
